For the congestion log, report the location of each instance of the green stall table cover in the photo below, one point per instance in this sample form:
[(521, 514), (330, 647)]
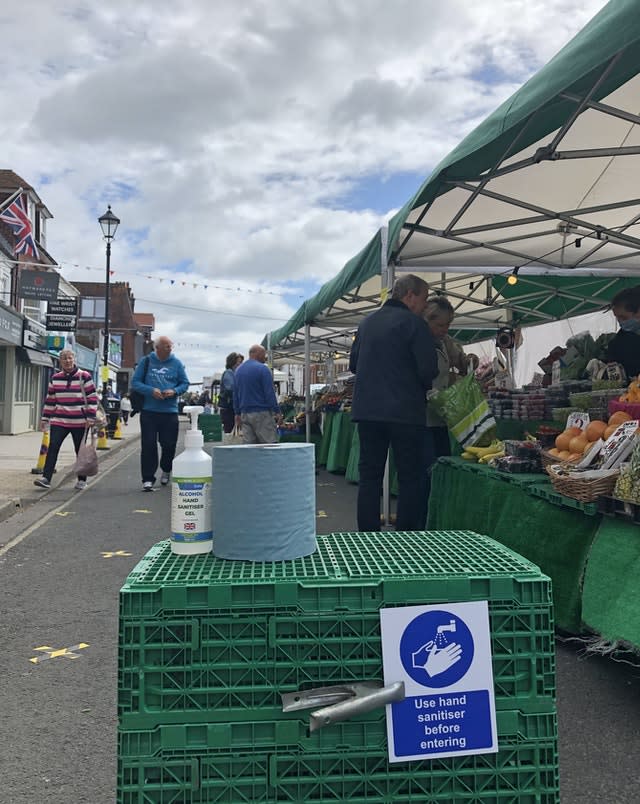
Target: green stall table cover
[(557, 539), (327, 427), (340, 443), (611, 603)]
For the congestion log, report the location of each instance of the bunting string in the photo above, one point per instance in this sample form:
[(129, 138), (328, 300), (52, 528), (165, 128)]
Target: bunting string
[(160, 279)]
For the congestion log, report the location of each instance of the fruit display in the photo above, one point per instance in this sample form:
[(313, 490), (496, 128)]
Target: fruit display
[(573, 443), (628, 483), (484, 454), (632, 394)]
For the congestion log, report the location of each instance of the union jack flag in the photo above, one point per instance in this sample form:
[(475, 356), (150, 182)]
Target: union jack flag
[(18, 219)]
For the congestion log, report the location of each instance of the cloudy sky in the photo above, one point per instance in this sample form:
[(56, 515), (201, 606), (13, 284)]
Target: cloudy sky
[(250, 147)]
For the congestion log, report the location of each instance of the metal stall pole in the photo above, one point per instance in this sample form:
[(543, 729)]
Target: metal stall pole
[(307, 382), (387, 277)]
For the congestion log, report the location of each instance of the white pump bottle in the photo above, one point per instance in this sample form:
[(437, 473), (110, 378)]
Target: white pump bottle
[(191, 478)]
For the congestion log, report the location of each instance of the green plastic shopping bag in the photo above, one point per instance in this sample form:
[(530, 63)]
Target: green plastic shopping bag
[(466, 412)]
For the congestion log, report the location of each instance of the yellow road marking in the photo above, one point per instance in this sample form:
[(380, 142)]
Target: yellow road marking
[(141, 511), (68, 653), (65, 513), (115, 553), (320, 514)]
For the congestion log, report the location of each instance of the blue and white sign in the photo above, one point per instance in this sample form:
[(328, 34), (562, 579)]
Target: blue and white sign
[(442, 652)]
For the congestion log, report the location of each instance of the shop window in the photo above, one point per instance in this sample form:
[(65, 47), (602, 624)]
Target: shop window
[(26, 382), (92, 308), (3, 370)]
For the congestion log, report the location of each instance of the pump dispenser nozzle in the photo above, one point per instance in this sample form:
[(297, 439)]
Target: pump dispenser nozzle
[(193, 437)]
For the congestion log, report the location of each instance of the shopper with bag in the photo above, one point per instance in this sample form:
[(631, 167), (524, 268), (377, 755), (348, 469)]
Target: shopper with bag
[(70, 408), (161, 379), (225, 396), (394, 359)]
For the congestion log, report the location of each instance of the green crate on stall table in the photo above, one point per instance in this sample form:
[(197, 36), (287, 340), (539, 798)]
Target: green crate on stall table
[(547, 492), (526, 774), (292, 734), (318, 625)]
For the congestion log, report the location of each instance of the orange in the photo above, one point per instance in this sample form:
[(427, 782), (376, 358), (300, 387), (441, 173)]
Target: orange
[(619, 417), (577, 444), (562, 441), (595, 429)]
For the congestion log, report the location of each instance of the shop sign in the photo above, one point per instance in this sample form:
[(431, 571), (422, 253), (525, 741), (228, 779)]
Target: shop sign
[(10, 327), (442, 653), (55, 343), (42, 285), (34, 335), (61, 323), (66, 305)]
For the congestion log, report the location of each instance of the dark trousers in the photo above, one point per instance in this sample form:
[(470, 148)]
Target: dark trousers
[(413, 453), (57, 435), (441, 447), (228, 419), (154, 428)]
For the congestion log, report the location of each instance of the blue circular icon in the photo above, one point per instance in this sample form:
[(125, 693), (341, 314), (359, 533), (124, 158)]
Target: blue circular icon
[(436, 649)]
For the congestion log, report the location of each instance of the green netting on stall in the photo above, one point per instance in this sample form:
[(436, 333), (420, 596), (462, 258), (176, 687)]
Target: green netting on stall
[(558, 540), (610, 594)]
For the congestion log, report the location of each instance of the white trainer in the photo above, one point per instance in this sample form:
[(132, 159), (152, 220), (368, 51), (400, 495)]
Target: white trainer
[(80, 484)]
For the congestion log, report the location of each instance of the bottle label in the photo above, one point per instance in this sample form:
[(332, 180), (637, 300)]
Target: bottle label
[(191, 509)]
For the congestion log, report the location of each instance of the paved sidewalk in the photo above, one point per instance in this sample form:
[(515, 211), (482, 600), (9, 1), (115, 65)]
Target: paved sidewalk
[(19, 455)]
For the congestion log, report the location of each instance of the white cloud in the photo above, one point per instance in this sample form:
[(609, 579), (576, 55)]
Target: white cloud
[(227, 136)]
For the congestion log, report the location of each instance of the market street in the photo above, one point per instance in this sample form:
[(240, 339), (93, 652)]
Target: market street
[(59, 601)]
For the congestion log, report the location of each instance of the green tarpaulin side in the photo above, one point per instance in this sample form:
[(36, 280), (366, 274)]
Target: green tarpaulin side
[(573, 70), (558, 540), (359, 268), (610, 596)]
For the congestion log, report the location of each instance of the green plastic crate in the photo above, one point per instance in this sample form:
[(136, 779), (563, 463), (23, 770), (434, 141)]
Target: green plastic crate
[(226, 638), (547, 492), (525, 774), (291, 733)]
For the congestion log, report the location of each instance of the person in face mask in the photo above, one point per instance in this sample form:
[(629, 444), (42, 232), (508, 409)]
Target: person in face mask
[(624, 348)]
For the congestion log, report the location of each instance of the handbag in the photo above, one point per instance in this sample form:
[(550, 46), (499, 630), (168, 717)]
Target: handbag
[(87, 458), (232, 438), (466, 411), (101, 416)]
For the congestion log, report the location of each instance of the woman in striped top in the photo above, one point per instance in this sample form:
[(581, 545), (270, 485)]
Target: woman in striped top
[(70, 407)]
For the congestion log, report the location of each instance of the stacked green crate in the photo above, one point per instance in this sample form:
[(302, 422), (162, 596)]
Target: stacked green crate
[(211, 426), (207, 646)]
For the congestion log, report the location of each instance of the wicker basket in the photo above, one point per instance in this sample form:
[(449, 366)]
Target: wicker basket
[(548, 460), (582, 489)]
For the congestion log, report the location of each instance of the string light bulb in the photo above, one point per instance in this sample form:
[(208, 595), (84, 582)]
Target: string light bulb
[(512, 279)]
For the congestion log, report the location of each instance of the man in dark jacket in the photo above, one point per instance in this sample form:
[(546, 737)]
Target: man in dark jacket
[(394, 359)]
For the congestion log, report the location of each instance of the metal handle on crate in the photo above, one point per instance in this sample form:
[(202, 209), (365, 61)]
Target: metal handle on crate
[(341, 702)]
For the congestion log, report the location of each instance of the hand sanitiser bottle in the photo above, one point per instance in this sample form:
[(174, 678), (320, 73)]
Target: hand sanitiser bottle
[(191, 526)]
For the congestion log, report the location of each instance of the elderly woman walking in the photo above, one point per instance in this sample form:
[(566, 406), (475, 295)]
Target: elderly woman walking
[(70, 407)]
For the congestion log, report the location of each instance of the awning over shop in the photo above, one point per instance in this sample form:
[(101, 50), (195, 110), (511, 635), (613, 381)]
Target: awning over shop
[(27, 355)]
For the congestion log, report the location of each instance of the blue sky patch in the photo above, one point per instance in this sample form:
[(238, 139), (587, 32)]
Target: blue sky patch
[(382, 192)]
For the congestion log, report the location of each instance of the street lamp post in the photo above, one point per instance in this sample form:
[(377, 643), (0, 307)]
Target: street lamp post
[(108, 223)]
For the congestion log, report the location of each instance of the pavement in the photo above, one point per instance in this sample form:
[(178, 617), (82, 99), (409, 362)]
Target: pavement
[(19, 455)]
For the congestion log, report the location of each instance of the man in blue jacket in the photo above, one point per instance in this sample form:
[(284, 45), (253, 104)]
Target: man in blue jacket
[(254, 399), (394, 359), (164, 380)]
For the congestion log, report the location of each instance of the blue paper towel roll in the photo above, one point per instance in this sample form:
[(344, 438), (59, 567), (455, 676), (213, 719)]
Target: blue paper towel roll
[(264, 501)]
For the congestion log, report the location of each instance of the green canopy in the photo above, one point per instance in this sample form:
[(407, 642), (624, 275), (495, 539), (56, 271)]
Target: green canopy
[(545, 188)]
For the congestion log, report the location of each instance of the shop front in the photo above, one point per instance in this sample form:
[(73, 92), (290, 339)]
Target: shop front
[(10, 341)]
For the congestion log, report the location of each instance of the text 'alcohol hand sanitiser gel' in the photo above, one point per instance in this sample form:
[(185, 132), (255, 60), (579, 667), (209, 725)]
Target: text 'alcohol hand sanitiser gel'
[(191, 478)]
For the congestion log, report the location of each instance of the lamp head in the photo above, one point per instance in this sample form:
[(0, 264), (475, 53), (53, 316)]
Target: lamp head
[(512, 279), (109, 223)]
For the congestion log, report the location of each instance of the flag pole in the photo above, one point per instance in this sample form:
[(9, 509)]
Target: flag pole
[(8, 201)]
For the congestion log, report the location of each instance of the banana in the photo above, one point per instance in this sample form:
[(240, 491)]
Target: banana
[(469, 456), (489, 456), (495, 446)]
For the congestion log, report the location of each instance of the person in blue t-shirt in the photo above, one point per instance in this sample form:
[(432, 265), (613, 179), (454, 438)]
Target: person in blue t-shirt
[(164, 382), (254, 399)]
